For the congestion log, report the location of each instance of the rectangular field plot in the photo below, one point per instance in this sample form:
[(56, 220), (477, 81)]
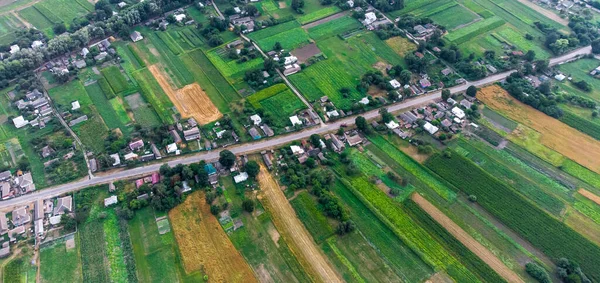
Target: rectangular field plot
[(34, 17), (333, 28), (154, 94), (61, 10), (278, 101), (59, 261), (143, 112), (231, 69), (453, 17)]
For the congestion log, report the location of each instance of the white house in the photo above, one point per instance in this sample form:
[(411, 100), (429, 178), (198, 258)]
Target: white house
[(20, 122), (36, 44), (179, 18), (333, 113), (241, 177), (84, 52), (430, 128), (290, 60), (130, 156), (370, 17), (296, 149), (110, 201), (256, 119), (364, 100), (14, 49), (237, 10), (559, 77), (458, 112), (395, 84), (116, 158), (392, 125), (171, 148), (136, 36), (350, 3), (75, 105), (295, 120), (122, 5)]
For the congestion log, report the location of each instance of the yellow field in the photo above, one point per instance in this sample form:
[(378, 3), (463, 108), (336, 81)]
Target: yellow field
[(204, 245), (553, 134), (190, 101), (401, 45)]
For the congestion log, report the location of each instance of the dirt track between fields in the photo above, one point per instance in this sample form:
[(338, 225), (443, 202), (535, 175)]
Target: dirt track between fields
[(204, 245), (547, 13), (293, 231), (589, 195), (478, 249), (190, 101)]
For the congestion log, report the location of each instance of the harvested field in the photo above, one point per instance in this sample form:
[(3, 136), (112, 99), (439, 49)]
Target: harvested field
[(554, 134), (461, 235), (305, 52), (589, 195), (204, 245), (292, 230), (190, 101)]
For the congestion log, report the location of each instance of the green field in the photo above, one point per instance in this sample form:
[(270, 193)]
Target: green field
[(34, 17), (289, 39), (579, 70), (58, 263), (115, 79), (64, 94), (8, 25), (106, 108), (92, 133), (453, 17), (212, 82), (548, 234), (333, 28), (154, 94), (318, 14), (313, 219), (231, 69), (355, 55)]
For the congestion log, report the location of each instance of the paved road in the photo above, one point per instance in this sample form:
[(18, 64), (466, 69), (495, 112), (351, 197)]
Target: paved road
[(264, 143)]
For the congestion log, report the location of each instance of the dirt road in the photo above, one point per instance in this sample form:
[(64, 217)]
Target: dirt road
[(462, 236), (547, 13), (293, 231), (591, 196)]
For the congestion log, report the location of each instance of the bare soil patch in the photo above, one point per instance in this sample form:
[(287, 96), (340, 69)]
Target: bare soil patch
[(547, 13), (282, 5), (190, 101), (591, 196), (134, 100), (293, 231), (553, 134), (477, 248), (203, 243), (305, 52), (439, 277)]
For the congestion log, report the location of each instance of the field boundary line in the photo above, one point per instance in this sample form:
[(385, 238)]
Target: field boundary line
[(462, 236), (208, 77), (589, 195)]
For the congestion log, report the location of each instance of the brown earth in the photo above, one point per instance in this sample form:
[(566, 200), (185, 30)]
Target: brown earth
[(190, 101), (292, 230), (204, 245), (555, 135), (478, 249), (591, 196)]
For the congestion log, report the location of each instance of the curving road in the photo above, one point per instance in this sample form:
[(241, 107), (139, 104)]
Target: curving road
[(263, 144)]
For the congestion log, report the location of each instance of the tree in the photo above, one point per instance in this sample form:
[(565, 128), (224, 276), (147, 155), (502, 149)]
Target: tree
[(68, 222), (248, 205), (541, 66), (59, 28), (252, 169), (361, 124), (385, 115), (345, 227), (537, 272), (405, 76), (277, 46), (226, 158), (530, 55), (472, 91), (596, 46), (297, 6), (446, 94), (165, 170), (251, 10)]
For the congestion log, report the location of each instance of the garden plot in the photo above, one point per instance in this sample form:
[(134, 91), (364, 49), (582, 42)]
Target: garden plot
[(454, 17), (190, 101), (552, 133), (142, 111), (203, 243), (306, 52)]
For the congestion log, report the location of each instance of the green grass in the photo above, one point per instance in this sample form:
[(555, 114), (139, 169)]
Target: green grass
[(114, 252), (455, 247), (58, 263), (579, 70), (120, 111), (289, 39), (453, 17), (404, 262), (282, 105), (313, 219), (319, 14), (115, 79), (92, 133), (272, 31), (383, 148), (333, 28), (586, 126), (170, 43), (63, 95), (172, 64), (146, 116), (106, 89), (263, 94), (546, 233), (219, 90), (93, 247), (469, 32), (231, 69), (106, 108), (34, 17), (61, 10), (499, 119), (580, 172), (18, 270), (154, 94)]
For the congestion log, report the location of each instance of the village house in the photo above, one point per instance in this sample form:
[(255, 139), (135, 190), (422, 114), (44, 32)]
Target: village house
[(3, 224), (136, 36), (176, 138), (192, 134), (136, 145), (64, 205), (20, 216)]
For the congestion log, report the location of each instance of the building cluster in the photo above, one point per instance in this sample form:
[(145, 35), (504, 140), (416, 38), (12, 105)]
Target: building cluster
[(444, 116), (15, 185), (570, 7), (24, 222), (34, 109), (161, 23), (372, 20)]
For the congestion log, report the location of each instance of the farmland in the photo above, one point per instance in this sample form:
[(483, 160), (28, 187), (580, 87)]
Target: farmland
[(277, 100), (115, 79), (549, 131), (333, 28), (547, 233), (315, 222), (203, 244), (58, 262), (453, 17)]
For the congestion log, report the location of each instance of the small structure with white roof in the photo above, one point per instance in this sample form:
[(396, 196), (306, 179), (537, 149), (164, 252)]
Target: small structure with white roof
[(395, 84), (20, 122), (560, 77), (241, 177), (171, 148), (179, 18), (14, 49), (296, 149), (295, 120), (256, 119), (430, 128), (392, 125), (459, 113), (75, 105), (364, 101), (110, 201)]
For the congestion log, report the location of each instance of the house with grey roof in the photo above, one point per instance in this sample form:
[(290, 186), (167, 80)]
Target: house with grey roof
[(20, 216), (64, 205)]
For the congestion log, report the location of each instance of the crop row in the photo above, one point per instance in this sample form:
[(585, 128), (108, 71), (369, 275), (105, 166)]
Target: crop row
[(462, 253), (263, 94), (106, 89), (332, 28), (548, 234), (583, 125), (314, 220), (319, 14), (115, 79), (154, 94), (168, 40), (289, 39), (413, 167), (469, 32), (268, 32)]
